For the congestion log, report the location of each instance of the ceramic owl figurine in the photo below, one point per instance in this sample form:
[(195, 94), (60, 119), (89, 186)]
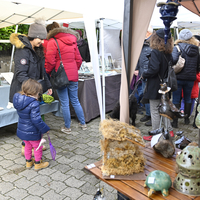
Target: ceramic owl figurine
[(197, 120)]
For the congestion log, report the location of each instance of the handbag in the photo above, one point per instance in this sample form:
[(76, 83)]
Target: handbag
[(43, 83), (171, 80), (180, 63), (59, 79)]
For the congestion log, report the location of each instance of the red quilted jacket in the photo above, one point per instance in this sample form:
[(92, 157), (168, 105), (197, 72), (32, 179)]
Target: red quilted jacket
[(70, 54)]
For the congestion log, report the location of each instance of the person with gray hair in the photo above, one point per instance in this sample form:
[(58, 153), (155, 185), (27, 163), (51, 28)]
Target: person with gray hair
[(185, 78)]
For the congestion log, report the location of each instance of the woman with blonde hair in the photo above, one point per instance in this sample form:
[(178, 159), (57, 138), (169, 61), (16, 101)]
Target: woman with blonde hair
[(158, 66), (186, 77)]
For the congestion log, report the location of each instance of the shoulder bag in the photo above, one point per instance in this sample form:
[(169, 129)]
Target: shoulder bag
[(59, 79), (180, 63), (171, 80)]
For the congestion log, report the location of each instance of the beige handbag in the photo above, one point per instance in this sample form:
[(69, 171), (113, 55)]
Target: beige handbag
[(180, 63)]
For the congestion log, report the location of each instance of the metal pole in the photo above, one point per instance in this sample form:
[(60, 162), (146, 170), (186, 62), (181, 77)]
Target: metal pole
[(13, 49), (103, 67)]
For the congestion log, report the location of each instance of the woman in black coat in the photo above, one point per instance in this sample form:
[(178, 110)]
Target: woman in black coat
[(186, 77), (158, 66), (29, 57)]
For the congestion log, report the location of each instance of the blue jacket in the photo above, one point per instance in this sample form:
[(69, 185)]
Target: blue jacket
[(30, 124)]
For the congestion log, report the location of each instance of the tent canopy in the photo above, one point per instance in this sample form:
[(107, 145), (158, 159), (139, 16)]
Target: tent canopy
[(21, 13), (192, 5)]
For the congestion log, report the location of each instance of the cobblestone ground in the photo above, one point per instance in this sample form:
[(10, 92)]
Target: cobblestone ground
[(65, 179)]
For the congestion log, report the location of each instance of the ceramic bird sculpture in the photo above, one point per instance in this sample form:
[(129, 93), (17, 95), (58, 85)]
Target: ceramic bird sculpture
[(99, 195), (166, 108)]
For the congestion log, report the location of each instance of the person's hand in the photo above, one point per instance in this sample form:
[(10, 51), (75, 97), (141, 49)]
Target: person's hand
[(136, 72), (49, 92)]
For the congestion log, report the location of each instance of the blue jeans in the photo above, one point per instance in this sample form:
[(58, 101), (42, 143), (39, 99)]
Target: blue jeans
[(139, 94), (147, 105), (187, 89), (70, 92)]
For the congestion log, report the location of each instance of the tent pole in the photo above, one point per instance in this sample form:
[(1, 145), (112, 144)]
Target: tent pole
[(103, 67), (13, 49)]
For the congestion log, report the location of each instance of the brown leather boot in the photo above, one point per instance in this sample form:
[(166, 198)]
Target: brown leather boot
[(29, 163), (41, 165)]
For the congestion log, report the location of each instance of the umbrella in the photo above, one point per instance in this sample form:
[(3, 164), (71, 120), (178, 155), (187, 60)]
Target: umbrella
[(52, 149)]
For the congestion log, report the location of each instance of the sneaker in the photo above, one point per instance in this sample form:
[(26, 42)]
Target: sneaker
[(148, 123), (41, 165), (65, 130), (145, 118), (83, 126), (148, 138)]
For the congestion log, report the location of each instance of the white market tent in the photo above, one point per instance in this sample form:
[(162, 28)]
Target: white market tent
[(113, 9)]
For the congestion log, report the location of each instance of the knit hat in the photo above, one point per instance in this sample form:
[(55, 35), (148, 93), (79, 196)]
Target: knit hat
[(38, 29), (161, 33), (185, 34)]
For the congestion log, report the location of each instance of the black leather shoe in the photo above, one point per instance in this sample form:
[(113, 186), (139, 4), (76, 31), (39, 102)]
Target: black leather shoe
[(148, 123), (156, 131), (145, 118)]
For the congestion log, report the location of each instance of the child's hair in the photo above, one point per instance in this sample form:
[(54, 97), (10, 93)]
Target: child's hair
[(50, 27), (31, 87)]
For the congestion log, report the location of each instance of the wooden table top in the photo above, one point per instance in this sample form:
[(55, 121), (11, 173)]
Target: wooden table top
[(135, 189)]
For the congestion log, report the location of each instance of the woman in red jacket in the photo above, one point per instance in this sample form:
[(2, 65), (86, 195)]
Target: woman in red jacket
[(71, 58)]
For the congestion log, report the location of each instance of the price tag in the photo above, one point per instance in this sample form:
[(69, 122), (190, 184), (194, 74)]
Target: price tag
[(151, 180), (91, 166), (112, 176)]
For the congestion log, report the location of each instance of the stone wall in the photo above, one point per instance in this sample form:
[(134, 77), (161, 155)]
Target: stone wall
[(5, 64)]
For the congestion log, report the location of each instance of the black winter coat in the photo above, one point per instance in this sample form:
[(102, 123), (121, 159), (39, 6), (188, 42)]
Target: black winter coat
[(27, 64), (143, 61), (84, 51), (191, 54), (157, 65)]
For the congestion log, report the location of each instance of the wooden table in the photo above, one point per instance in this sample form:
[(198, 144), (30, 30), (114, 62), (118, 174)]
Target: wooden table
[(135, 189)]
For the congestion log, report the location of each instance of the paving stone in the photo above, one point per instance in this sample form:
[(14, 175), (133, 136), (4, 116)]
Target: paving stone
[(29, 174), (73, 182), (62, 168), (86, 197), (79, 158), (76, 173), (59, 176), (31, 197), (77, 165), (57, 186), (88, 188), (23, 183), (5, 187), (4, 197), (73, 193), (42, 179), (17, 194), (2, 170), (51, 195), (37, 189), (10, 177)]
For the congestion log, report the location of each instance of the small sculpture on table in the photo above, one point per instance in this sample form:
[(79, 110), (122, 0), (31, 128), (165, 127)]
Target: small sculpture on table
[(158, 181)]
